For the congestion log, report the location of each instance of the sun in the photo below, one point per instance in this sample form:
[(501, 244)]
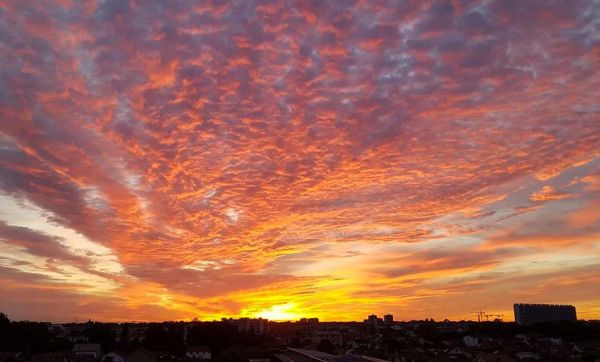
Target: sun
[(280, 312)]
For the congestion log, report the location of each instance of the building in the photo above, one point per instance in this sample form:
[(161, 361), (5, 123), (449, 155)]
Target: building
[(141, 355), (528, 314), (388, 319), (257, 325), (113, 357), (48, 357), (87, 349), (309, 320), (198, 352), (335, 337), (306, 355), (373, 320), (529, 356)]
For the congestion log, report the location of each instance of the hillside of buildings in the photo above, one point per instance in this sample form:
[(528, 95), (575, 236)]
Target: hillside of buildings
[(261, 340)]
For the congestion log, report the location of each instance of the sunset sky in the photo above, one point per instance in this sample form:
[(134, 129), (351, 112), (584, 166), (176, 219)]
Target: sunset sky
[(165, 160)]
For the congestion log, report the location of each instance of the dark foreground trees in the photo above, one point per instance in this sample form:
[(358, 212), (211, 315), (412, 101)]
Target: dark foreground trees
[(23, 336)]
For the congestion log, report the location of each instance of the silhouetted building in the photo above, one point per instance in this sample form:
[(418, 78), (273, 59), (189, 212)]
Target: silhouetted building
[(141, 355), (47, 357), (198, 352), (87, 349), (309, 320), (372, 320), (113, 357), (258, 325), (528, 314), (388, 319)]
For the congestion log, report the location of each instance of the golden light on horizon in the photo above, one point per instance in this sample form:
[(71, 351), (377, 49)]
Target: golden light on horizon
[(279, 313)]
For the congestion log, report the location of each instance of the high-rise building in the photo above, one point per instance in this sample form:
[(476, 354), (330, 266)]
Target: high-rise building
[(372, 320), (528, 314), (388, 319)]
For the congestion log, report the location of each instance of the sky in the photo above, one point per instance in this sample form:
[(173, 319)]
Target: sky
[(286, 159)]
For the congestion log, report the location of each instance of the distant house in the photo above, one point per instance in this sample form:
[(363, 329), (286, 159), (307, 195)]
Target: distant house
[(113, 357), (306, 355), (527, 356), (456, 352), (49, 357), (141, 355), (87, 349), (8, 356), (83, 358), (74, 333), (198, 352), (372, 359), (492, 357), (335, 337), (577, 349)]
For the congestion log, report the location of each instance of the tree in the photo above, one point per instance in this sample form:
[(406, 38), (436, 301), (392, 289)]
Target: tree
[(25, 337), (296, 342), (124, 338), (4, 321), (165, 337), (326, 346), (234, 354), (100, 333), (4, 329)]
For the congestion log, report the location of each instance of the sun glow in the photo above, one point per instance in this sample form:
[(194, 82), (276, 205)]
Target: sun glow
[(280, 312)]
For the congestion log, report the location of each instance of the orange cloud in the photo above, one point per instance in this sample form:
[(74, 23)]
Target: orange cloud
[(548, 193)]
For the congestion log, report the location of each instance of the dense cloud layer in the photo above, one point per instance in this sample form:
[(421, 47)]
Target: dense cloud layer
[(281, 158)]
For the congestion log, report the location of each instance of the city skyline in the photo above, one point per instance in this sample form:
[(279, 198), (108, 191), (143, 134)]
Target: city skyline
[(387, 319), (171, 160)]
